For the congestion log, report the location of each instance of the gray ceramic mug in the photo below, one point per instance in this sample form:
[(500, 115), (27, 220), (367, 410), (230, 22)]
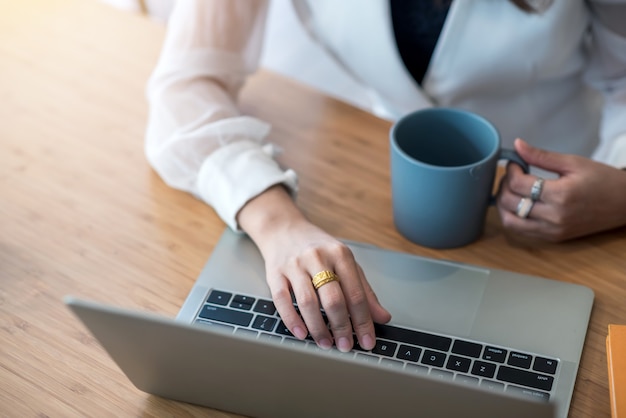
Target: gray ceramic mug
[(443, 165)]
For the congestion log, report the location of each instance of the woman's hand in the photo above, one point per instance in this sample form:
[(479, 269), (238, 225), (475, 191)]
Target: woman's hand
[(588, 196), (294, 251)]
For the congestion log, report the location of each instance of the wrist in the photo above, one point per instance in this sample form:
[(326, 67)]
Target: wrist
[(268, 213)]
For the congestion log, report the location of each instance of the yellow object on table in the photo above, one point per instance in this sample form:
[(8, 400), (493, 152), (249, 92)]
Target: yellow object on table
[(616, 361)]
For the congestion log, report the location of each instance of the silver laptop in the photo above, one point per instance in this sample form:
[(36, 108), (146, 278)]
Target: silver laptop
[(463, 341)]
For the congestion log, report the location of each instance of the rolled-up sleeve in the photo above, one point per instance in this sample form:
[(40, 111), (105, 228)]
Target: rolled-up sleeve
[(607, 73), (196, 138)]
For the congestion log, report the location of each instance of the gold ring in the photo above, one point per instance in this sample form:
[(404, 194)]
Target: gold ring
[(323, 277)]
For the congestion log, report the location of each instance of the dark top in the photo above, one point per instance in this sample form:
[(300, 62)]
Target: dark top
[(417, 25)]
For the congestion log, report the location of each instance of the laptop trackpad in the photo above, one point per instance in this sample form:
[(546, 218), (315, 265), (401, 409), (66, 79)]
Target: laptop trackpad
[(432, 295)]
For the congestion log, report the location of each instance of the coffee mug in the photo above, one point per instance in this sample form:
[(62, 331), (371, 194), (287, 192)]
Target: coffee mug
[(443, 165)]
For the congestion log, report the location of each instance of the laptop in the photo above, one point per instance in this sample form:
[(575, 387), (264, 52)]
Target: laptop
[(463, 341)]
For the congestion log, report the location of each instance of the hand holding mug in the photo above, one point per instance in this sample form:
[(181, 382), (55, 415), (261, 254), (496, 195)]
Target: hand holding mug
[(443, 165), (587, 196)]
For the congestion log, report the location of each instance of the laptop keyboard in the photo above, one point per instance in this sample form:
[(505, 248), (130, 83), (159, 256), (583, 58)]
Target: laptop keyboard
[(491, 367)]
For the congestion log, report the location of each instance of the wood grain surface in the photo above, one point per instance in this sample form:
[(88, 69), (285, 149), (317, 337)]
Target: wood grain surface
[(82, 212)]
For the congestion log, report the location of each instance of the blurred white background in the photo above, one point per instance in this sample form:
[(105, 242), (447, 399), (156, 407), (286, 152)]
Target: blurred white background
[(288, 50)]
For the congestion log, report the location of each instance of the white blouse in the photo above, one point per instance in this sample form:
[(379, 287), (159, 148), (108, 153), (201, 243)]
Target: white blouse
[(528, 73)]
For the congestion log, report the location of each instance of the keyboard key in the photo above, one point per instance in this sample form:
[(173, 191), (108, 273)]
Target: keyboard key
[(530, 393), (219, 298), (483, 369), (410, 353), (225, 315), (441, 374), (246, 300), (492, 385), (265, 307), (348, 354), (283, 330), (392, 364), (494, 354), (520, 360), (545, 365), (385, 348), (264, 323), (436, 342), (433, 358), (416, 368), (239, 305), (246, 332), (467, 380), (466, 348), (270, 337), (314, 347), (458, 364), (214, 325), (525, 378), (366, 357), (294, 342)]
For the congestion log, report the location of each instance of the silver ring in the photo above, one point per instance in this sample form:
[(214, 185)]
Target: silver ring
[(523, 207), (535, 191)]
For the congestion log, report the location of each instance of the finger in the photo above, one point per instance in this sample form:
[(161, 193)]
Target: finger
[(509, 202), (336, 295), (281, 295), (357, 303), (532, 228), (517, 180), (332, 299), (521, 184), (362, 324), (379, 314), (309, 307), (546, 160), (538, 223)]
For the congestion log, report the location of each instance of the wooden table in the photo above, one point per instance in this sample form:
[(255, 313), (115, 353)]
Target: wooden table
[(82, 212)]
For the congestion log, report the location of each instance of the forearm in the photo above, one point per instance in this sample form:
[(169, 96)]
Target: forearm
[(210, 49)]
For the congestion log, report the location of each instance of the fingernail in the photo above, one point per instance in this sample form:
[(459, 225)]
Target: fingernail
[(344, 344), (299, 333), (325, 344), (367, 342)]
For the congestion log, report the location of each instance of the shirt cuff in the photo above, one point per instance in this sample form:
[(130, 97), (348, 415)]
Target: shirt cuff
[(237, 172), (617, 153)]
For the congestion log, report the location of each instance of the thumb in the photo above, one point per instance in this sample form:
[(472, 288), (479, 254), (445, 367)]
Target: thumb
[(546, 160)]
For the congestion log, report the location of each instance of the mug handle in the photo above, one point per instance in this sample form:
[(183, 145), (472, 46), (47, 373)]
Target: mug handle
[(512, 156)]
